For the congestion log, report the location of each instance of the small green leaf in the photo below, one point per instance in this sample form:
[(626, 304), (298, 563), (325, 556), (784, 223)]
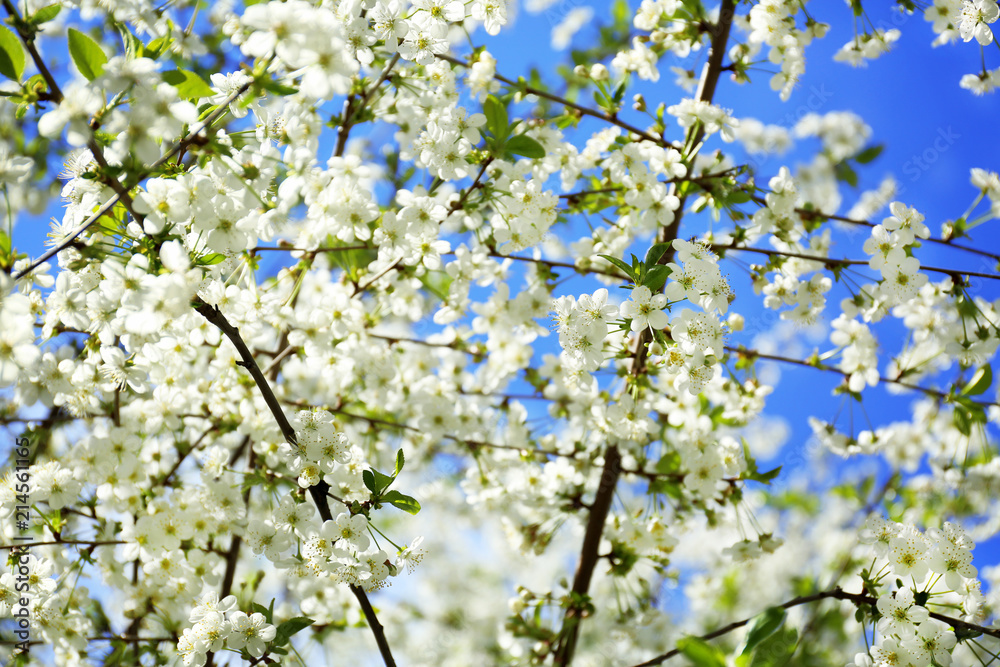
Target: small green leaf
[(401, 501), (843, 172), (620, 264), (87, 54), (399, 462), (278, 89), (133, 45), (655, 277), (869, 154), (655, 252), (11, 54), (496, 117), (4, 244), (700, 653), (211, 259), (291, 627), (980, 382), (962, 420), (45, 14), (526, 146), (189, 85), (776, 650), (382, 482), (369, 479), (620, 11), (738, 197), (763, 477), (270, 610), (763, 626), (158, 46)]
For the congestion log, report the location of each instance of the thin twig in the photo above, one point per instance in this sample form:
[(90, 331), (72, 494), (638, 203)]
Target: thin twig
[(318, 492), (586, 111), (837, 593), (831, 261), (570, 630)]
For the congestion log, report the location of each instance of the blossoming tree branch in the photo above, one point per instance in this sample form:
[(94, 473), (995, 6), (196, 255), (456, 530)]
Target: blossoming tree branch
[(351, 346)]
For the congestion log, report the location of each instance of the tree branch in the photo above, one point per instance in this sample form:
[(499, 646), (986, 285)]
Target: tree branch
[(318, 492), (754, 354), (570, 630), (859, 599), (350, 109), (831, 261), (606, 117)]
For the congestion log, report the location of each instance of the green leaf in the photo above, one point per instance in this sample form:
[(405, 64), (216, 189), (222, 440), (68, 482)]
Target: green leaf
[(700, 653), (189, 85), (133, 45), (844, 173), (399, 462), (402, 501), (4, 244), (382, 482), (980, 382), (158, 46), (655, 252), (437, 283), (620, 11), (776, 650), (620, 264), (277, 88), (526, 146), (258, 608), (45, 14), (962, 420), (763, 477), (869, 154), (655, 277), (211, 259), (763, 626), (496, 117), (270, 610), (738, 197), (11, 54), (291, 627), (369, 479), (87, 54)]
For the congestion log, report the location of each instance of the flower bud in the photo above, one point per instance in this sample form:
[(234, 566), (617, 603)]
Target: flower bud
[(599, 72)]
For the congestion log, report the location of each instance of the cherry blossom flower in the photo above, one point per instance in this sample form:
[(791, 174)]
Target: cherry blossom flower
[(645, 309)]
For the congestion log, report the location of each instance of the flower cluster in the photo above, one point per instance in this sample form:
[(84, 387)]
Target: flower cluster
[(318, 449), (890, 249), (939, 565), (340, 550), (867, 46), (583, 327), (220, 624), (772, 23)]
